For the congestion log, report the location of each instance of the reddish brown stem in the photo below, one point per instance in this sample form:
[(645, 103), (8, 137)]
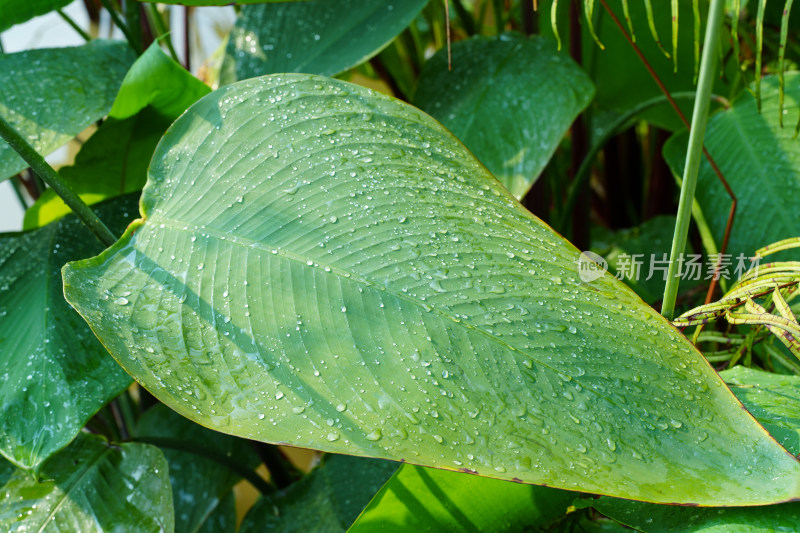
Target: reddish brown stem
[(714, 167)]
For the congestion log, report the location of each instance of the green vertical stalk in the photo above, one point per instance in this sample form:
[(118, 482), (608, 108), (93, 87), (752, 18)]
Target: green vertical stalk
[(51, 177), (708, 68)]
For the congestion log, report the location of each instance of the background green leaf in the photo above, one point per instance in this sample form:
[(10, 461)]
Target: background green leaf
[(510, 100), (315, 36), (329, 499), (49, 101), (114, 160), (17, 11), (426, 499), (200, 485), (55, 373), (91, 486), (156, 80), (652, 238), (111, 162), (761, 162), (653, 518), (323, 265), (774, 401)]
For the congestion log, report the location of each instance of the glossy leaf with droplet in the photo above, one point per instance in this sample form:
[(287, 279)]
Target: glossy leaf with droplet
[(91, 486), (510, 100), (200, 485), (760, 161), (427, 499), (54, 374), (328, 499), (773, 399), (314, 36), (322, 265), (113, 161), (49, 101)]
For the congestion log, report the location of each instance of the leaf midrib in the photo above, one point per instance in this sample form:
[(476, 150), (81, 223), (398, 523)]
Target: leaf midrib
[(303, 261)]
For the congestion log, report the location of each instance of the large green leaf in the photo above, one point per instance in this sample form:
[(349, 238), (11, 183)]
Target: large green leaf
[(91, 486), (49, 101), (317, 36), (54, 373), (326, 266), (155, 91), (773, 399), (426, 499), (329, 499), (510, 100), (199, 484), (17, 11), (761, 162)]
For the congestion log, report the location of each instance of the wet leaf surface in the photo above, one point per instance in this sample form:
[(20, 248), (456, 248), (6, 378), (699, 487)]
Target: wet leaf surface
[(91, 486), (315, 36), (54, 374), (47, 100), (329, 499), (322, 265)]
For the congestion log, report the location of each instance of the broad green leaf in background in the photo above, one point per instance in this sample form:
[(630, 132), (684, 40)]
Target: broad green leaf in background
[(54, 374), (111, 162), (222, 518), (622, 80), (510, 100), (761, 162), (329, 499), (774, 401), (155, 91), (653, 518), (156, 80), (91, 486), (199, 484), (316, 36), (49, 101), (322, 265), (631, 253), (426, 499), (18, 11)]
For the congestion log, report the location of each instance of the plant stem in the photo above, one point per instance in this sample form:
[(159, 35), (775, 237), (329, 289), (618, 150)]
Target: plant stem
[(74, 26), (586, 166), (120, 24), (191, 447), (708, 67), (158, 25), (134, 22), (51, 177), (17, 189)]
